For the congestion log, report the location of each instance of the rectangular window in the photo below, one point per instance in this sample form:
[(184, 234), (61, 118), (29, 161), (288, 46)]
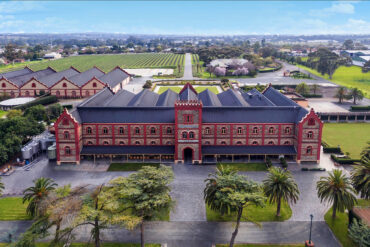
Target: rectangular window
[(188, 119)]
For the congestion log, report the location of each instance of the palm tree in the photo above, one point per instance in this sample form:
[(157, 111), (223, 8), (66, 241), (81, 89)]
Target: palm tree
[(279, 185), (1, 187), (341, 94), (356, 94), (36, 193), (336, 189), (360, 175), (365, 154)]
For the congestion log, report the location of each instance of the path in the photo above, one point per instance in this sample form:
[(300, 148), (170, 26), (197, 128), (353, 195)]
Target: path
[(188, 71)]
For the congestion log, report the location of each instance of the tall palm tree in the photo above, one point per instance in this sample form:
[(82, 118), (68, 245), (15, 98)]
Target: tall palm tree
[(341, 94), (360, 175), (356, 94), (1, 188), (336, 189), (280, 185), (34, 194)]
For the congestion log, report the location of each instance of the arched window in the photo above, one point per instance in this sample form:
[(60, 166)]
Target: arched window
[(311, 121), (239, 143), (310, 135), (137, 130), (184, 135), (137, 143), (67, 150), (309, 150), (255, 130), (287, 130), (207, 143), (153, 143), (33, 85), (208, 130), (121, 130), (89, 143), (106, 143), (3, 84), (87, 93), (223, 143), (271, 130), (169, 130), (65, 122), (64, 84), (105, 130), (286, 143), (223, 130), (88, 130), (152, 130), (66, 135), (240, 130), (270, 143), (254, 143), (94, 84), (121, 143), (191, 135)]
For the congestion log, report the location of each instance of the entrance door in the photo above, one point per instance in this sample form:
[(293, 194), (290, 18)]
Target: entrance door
[(188, 156)]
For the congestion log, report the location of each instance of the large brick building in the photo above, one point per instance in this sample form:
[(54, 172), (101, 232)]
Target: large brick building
[(189, 127), (69, 83)]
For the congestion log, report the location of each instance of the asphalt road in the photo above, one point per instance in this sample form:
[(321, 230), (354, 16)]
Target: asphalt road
[(188, 72)]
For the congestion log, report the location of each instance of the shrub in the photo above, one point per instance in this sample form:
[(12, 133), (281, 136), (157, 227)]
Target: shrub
[(268, 163), (359, 233), (360, 108), (68, 106), (283, 163), (335, 150), (148, 84), (344, 161), (312, 95)]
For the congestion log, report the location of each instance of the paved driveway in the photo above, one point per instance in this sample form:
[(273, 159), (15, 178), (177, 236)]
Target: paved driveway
[(188, 72)]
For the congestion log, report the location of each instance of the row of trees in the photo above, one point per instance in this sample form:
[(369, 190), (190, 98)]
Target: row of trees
[(353, 93)]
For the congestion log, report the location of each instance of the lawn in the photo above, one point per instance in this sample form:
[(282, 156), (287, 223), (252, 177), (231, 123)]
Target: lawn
[(115, 167), (91, 245), (177, 89), (347, 76), (262, 245), (12, 208), (351, 137), (245, 167), (3, 113), (339, 225), (108, 62), (253, 213)]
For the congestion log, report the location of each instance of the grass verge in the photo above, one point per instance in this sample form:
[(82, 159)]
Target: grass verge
[(114, 167), (245, 167), (12, 208)]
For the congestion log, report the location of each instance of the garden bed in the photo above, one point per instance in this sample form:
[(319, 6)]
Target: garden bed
[(114, 167), (245, 167)]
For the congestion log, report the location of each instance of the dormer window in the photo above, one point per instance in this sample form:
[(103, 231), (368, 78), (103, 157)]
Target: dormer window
[(223, 130), (169, 130), (287, 130), (137, 130), (255, 130), (208, 131), (240, 130), (152, 130), (121, 130), (271, 130)]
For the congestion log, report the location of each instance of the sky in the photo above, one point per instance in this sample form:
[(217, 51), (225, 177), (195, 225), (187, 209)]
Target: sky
[(186, 17)]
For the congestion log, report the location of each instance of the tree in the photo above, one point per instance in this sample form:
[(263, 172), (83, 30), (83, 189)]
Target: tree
[(37, 112), (366, 67), (360, 175), (365, 154), (336, 189), (14, 113), (341, 94), (302, 88), (144, 193), (359, 233), (10, 52), (280, 185), (228, 192), (34, 194), (54, 111), (315, 88), (348, 44), (1, 188), (356, 94), (210, 69), (218, 71)]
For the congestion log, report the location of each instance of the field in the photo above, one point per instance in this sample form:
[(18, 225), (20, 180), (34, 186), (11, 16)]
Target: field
[(108, 62), (351, 137), (177, 89), (349, 77), (12, 208)]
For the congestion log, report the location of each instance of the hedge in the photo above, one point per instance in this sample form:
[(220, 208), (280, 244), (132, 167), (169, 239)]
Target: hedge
[(312, 95), (344, 161), (305, 169), (333, 150), (360, 108), (45, 100), (67, 106)]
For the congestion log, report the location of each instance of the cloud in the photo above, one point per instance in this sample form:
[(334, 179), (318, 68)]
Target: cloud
[(335, 8), (7, 7)]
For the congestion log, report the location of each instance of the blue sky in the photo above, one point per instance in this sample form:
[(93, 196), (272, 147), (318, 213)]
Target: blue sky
[(188, 17)]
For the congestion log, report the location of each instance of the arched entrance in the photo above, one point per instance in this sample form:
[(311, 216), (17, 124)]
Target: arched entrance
[(188, 155)]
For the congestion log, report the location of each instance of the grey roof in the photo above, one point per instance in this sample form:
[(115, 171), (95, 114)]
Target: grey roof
[(114, 77), (75, 115), (278, 98), (144, 98), (20, 80), (248, 150), (98, 99), (121, 98), (231, 98), (82, 78), (50, 80), (167, 98), (188, 93), (255, 98), (208, 98), (128, 149), (20, 72)]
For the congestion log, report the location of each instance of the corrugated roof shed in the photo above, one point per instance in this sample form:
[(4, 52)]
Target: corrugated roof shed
[(82, 78), (114, 77), (20, 72), (20, 80), (50, 80)]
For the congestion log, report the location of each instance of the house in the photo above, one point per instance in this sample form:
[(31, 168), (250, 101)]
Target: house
[(52, 55), (188, 127), (359, 57)]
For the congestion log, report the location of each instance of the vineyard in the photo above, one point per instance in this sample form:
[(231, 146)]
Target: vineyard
[(197, 65), (108, 62)]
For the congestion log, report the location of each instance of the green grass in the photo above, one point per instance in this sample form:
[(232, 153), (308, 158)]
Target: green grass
[(12, 208), (351, 137), (339, 225), (347, 76), (253, 213), (3, 113), (16, 66), (108, 62), (114, 167), (262, 245), (91, 245), (245, 167), (177, 89)]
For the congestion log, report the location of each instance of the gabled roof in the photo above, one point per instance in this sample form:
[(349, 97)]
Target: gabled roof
[(20, 80), (167, 98), (114, 77), (188, 93), (278, 98), (231, 98), (98, 99), (255, 98), (50, 80), (208, 98), (144, 98), (121, 98), (81, 78), (11, 74)]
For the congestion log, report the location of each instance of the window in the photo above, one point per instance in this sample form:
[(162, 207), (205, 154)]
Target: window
[(67, 150), (223, 143), (3, 84), (168, 143), (254, 143), (271, 130), (33, 85), (94, 84), (188, 118), (57, 93), (88, 130), (137, 143), (309, 150), (87, 93), (106, 143), (137, 130), (239, 143), (152, 130), (105, 130), (207, 143), (311, 121), (121, 143), (12, 94), (152, 143), (240, 130), (121, 130), (270, 143), (310, 135), (74, 94), (184, 135), (64, 84), (89, 143), (66, 135), (287, 143), (191, 135), (27, 93), (169, 130), (287, 130), (255, 130), (65, 122), (208, 131), (223, 130)]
